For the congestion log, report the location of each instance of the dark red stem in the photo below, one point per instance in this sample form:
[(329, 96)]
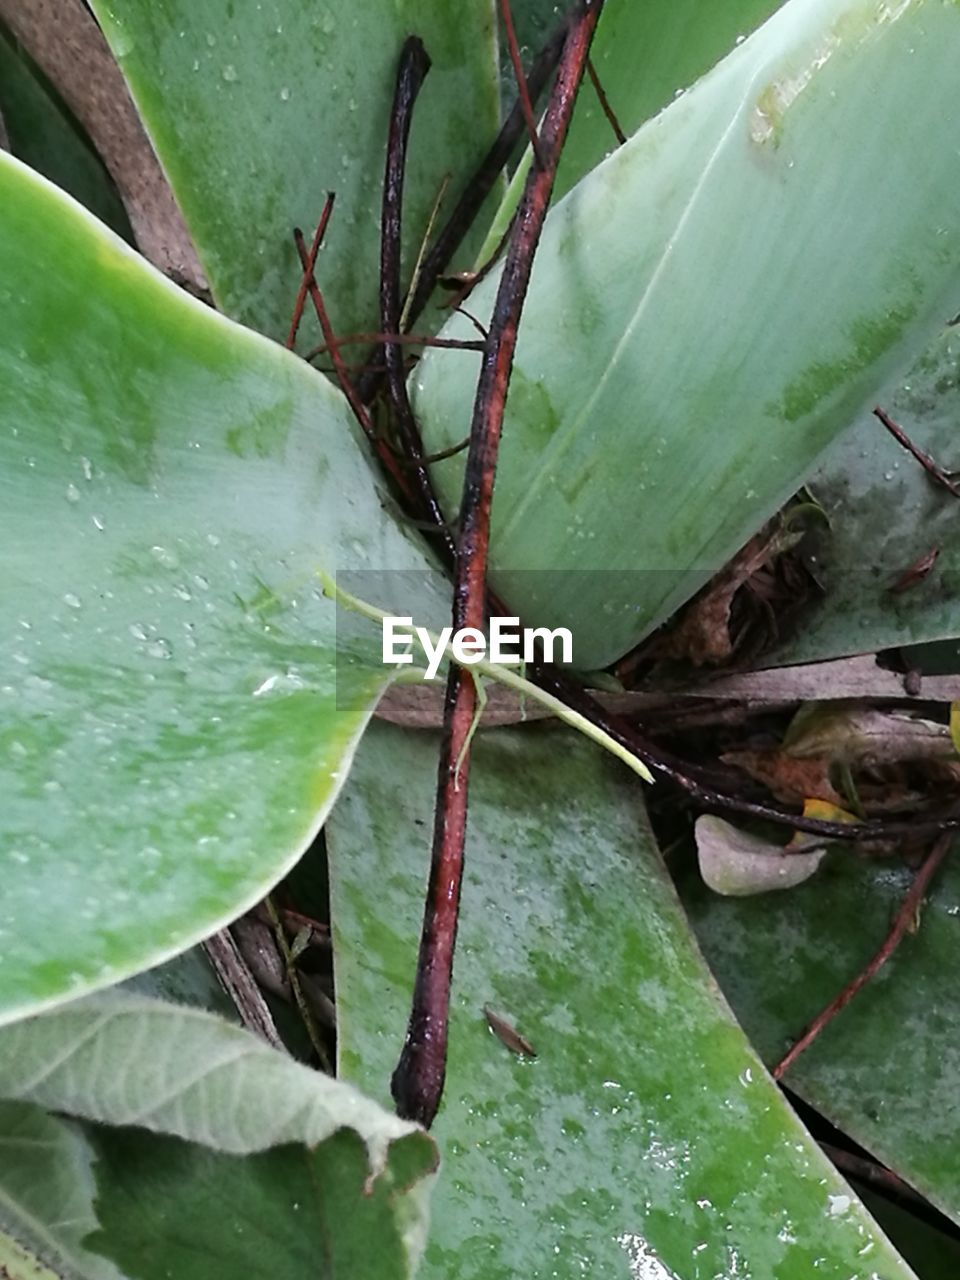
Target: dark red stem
[(417, 1083), (523, 96), (308, 269), (905, 921)]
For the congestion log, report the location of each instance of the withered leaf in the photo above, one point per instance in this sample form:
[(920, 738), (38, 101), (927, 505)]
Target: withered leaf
[(508, 1035)]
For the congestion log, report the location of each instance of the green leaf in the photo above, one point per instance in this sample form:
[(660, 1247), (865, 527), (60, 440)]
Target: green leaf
[(124, 1059), (883, 1070), (885, 514), (257, 111), (44, 135), (709, 309), (46, 1198), (334, 1174), (644, 1139), (645, 56), (174, 723), (171, 1208)]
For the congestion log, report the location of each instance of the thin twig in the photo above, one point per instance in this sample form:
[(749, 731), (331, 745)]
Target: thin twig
[(347, 385), (422, 252), (665, 765), (936, 473), (605, 104), (417, 1082), (526, 106), (238, 982), (290, 964), (874, 1175), (465, 283), (397, 340), (330, 338), (478, 188), (414, 65), (428, 459), (905, 921), (308, 270)]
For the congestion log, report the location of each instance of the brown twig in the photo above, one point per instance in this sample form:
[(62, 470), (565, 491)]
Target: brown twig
[(671, 768), (526, 106), (605, 104), (396, 340), (465, 283), (308, 270), (905, 921), (417, 1082), (293, 978), (413, 67), (382, 450), (476, 191), (936, 473), (428, 459), (874, 1175), (239, 984)]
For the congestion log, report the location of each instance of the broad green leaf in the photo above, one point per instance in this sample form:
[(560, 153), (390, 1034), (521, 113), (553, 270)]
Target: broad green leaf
[(644, 1140), (174, 725), (884, 1070), (44, 135), (710, 308), (171, 1208), (257, 111), (884, 515), (645, 56), (123, 1059), (128, 1060), (46, 1198)]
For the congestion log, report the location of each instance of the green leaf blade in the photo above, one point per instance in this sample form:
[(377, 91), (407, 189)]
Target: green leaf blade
[(644, 1138), (709, 309), (241, 1157), (257, 113), (175, 718), (882, 1071)]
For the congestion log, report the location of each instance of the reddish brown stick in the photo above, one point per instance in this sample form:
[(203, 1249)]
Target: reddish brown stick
[(308, 269), (905, 920), (936, 473), (397, 340), (383, 452), (417, 1082), (526, 106), (472, 197), (605, 104)]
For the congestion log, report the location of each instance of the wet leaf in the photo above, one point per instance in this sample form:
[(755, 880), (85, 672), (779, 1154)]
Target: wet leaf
[(885, 514), (720, 366), (643, 1140), (174, 721), (257, 112), (884, 1070)]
